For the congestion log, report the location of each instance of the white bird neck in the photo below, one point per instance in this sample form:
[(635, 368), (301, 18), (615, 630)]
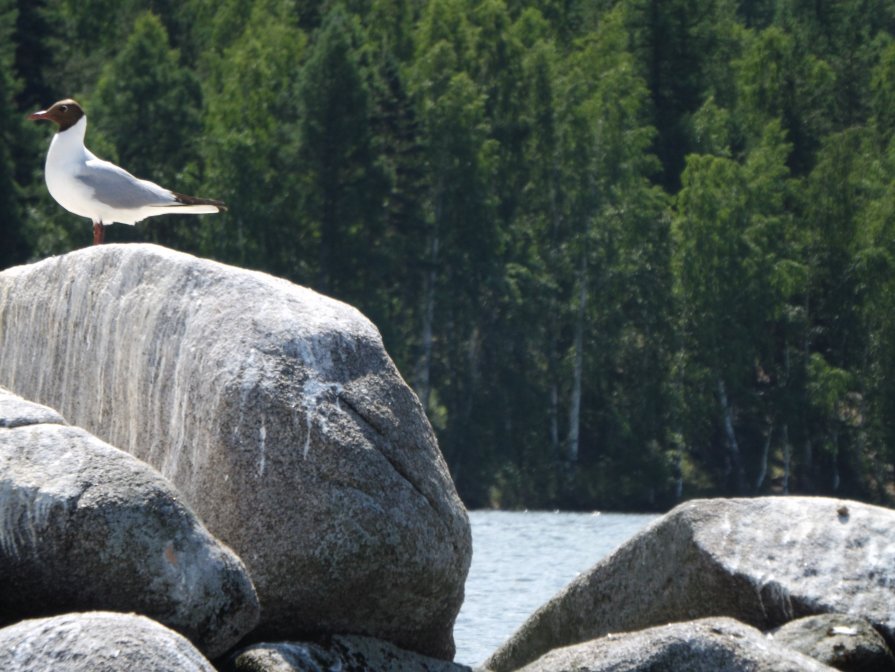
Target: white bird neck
[(68, 145)]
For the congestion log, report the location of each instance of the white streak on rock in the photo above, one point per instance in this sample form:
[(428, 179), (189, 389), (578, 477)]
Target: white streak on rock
[(25, 511), (262, 438), (314, 394)]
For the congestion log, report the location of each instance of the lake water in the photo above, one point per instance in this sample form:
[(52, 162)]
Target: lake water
[(522, 559)]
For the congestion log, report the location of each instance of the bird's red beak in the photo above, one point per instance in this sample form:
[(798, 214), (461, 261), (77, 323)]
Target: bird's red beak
[(37, 116)]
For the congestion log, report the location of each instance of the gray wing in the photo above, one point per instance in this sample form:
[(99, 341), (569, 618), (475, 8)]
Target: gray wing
[(117, 188)]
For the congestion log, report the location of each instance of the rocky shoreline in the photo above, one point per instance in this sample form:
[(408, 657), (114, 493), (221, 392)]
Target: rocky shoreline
[(727, 580), (206, 468)]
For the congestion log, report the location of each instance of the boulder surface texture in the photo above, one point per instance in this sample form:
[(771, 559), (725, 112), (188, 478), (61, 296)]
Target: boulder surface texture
[(97, 642), (86, 526), (763, 561), (707, 645), (18, 412), (274, 410), (848, 643), (348, 653)]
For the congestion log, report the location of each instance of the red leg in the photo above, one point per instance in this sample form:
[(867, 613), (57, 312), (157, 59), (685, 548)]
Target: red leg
[(99, 233)]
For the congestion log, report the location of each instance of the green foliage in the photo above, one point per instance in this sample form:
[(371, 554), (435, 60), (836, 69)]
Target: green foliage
[(249, 143), (729, 251), (882, 92), (148, 118), (12, 247), (341, 191), (625, 251), (147, 105)]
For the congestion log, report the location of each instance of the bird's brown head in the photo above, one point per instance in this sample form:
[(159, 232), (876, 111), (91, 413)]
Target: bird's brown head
[(66, 113)]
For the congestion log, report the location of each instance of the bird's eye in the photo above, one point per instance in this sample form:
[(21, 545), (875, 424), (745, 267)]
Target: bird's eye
[(63, 108)]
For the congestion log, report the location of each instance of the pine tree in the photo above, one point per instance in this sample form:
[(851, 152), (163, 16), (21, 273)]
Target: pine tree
[(249, 149), (13, 249), (340, 185), (683, 50), (729, 267), (605, 166), (146, 115), (396, 145), (875, 271), (462, 233), (37, 51)]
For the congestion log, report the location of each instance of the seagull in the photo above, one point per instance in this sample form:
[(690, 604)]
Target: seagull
[(90, 187)]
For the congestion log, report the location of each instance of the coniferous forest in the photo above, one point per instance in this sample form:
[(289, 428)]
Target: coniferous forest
[(627, 252)]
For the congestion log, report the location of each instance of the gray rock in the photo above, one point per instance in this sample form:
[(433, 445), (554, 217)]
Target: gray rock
[(845, 642), (763, 561), (274, 410), (708, 645), (348, 653), (18, 412), (97, 642), (86, 526)]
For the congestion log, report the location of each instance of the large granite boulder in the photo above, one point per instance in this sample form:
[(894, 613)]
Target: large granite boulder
[(97, 642), (848, 643), (347, 653), (86, 526), (762, 561), (278, 414), (708, 645)]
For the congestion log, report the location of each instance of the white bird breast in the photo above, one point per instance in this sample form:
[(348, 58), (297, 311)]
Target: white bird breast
[(90, 187)]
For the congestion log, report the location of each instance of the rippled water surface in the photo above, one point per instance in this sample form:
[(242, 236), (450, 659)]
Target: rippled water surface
[(522, 559)]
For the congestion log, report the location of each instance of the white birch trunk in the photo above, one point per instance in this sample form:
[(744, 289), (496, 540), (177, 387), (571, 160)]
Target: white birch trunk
[(554, 419), (787, 453), (763, 467), (732, 445), (836, 479), (424, 376), (424, 385), (679, 468), (578, 373)]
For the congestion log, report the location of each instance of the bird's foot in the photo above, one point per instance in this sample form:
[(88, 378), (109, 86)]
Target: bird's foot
[(99, 233)]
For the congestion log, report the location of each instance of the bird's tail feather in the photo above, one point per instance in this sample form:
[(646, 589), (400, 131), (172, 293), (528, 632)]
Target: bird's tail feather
[(198, 205), (177, 208)]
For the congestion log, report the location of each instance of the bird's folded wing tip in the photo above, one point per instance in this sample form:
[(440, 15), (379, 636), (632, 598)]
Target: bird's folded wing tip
[(183, 199)]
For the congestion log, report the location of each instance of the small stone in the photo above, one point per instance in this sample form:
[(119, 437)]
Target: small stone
[(845, 642)]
